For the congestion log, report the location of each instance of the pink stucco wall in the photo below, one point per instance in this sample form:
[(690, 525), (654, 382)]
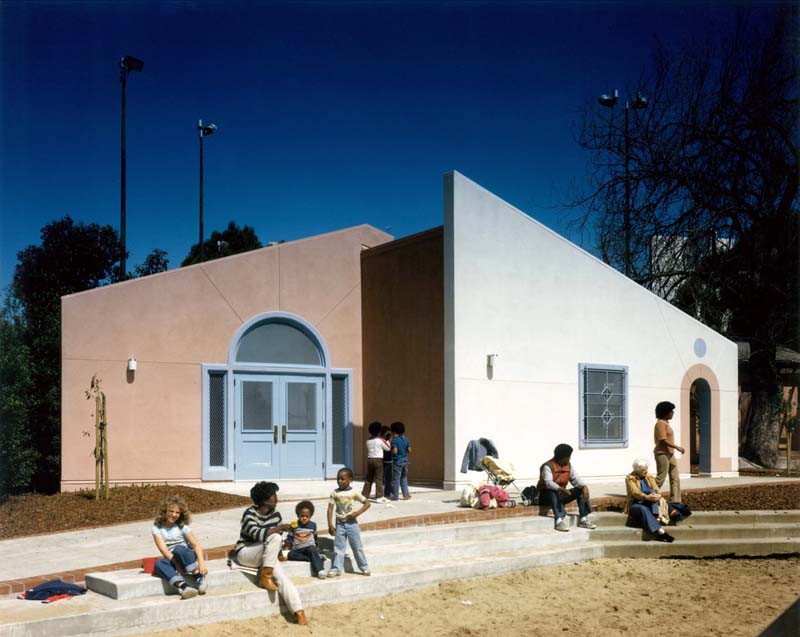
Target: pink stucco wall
[(175, 321)]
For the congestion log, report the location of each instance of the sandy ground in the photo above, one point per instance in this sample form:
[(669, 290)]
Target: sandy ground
[(603, 597)]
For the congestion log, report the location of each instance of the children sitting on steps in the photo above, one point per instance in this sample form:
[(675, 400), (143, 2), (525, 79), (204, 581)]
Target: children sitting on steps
[(301, 542), (260, 542), (181, 550)]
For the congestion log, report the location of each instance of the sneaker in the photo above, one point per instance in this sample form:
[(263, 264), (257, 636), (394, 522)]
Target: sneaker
[(382, 500), (188, 593), (202, 585), (367, 572), (561, 525), (322, 575), (333, 574), (406, 497), (663, 537), (585, 523)]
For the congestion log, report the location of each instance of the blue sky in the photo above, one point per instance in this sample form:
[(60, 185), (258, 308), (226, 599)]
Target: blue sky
[(330, 114)]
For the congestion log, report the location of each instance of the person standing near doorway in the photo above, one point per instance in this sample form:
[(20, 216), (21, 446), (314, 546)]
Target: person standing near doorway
[(666, 462)]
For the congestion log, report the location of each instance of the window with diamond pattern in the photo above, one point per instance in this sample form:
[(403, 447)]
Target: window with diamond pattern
[(604, 420)]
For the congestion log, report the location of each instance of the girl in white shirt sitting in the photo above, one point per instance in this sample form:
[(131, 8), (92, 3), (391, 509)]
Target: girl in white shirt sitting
[(181, 550)]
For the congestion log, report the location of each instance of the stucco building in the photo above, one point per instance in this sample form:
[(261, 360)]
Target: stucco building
[(268, 364)]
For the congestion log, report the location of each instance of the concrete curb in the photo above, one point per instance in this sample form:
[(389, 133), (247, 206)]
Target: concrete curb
[(507, 543)]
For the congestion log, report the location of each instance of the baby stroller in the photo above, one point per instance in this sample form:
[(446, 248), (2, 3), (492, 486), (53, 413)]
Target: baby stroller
[(482, 455), (501, 475)]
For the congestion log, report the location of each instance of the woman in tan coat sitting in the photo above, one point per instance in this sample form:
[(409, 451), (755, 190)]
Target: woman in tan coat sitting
[(644, 505)]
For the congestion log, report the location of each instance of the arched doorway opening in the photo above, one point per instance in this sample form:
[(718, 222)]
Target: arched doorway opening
[(700, 419), (700, 427)]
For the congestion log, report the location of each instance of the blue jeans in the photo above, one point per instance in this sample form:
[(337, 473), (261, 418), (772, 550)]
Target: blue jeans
[(557, 500), (348, 530), (645, 515), (388, 484), (307, 554), (399, 478), (182, 556)]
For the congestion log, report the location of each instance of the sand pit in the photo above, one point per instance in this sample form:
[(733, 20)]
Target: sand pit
[(603, 597)]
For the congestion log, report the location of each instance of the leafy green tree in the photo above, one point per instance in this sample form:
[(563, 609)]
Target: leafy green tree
[(72, 257), (704, 182), (154, 262), (18, 456), (232, 240)]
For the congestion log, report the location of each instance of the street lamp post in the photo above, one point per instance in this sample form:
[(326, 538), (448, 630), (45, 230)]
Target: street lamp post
[(204, 130), (127, 64), (638, 103)]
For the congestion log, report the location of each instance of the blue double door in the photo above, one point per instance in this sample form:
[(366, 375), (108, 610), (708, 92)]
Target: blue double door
[(279, 427)]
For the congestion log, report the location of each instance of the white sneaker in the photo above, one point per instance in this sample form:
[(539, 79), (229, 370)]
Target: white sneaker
[(561, 525), (202, 585), (322, 575), (383, 500), (586, 523), (367, 573), (188, 593)]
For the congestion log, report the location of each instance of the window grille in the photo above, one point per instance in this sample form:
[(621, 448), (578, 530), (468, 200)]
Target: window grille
[(340, 420), (604, 406), (216, 419)]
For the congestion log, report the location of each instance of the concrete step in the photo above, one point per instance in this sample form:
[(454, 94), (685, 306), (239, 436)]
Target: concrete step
[(752, 547), (131, 584), (427, 555), (95, 615), (456, 531), (134, 583), (744, 517), (689, 531), (610, 519)]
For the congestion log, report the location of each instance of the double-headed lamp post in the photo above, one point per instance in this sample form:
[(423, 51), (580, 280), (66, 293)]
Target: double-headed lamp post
[(127, 64), (204, 130), (638, 103)]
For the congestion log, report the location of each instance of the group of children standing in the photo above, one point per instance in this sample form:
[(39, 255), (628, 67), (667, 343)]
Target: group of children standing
[(261, 543), (388, 449)]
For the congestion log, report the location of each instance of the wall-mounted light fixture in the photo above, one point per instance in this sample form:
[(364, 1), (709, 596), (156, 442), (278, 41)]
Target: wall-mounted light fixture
[(131, 364), (491, 359)]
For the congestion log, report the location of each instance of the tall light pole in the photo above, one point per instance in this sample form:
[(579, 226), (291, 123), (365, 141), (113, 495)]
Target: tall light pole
[(638, 103), (127, 64), (204, 130)]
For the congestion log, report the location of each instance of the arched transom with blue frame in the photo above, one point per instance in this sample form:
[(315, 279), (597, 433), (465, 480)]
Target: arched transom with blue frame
[(276, 409)]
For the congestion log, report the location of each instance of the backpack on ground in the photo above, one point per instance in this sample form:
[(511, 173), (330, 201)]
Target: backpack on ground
[(530, 495)]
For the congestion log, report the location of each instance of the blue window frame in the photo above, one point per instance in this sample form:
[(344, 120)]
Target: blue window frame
[(277, 343), (603, 405)]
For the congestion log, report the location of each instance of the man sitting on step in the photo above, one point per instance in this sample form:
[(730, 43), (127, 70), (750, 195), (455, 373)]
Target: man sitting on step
[(554, 477), (260, 542)]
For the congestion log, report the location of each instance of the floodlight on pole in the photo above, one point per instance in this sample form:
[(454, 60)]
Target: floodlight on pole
[(204, 130), (127, 64), (636, 104)]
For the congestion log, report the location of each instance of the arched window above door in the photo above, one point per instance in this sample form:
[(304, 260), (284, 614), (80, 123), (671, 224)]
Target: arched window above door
[(278, 342)]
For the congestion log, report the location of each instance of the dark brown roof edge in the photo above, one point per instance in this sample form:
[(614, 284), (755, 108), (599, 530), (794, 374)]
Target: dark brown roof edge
[(402, 242)]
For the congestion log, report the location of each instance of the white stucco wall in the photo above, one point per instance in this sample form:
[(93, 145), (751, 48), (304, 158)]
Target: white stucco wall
[(519, 290)]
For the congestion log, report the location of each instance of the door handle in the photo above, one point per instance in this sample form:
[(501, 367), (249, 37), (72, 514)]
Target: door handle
[(275, 436), (284, 434)]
